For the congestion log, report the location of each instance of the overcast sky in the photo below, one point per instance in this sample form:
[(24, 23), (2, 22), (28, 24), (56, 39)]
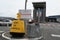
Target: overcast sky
[(11, 7)]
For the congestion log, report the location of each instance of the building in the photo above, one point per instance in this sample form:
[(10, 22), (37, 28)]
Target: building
[(55, 18), (39, 12)]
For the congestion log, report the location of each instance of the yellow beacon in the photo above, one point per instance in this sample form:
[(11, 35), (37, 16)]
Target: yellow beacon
[(17, 28)]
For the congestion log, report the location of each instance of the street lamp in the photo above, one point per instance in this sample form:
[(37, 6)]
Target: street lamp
[(25, 4)]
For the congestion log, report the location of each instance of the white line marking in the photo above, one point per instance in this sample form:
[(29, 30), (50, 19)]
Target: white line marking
[(54, 35), (30, 38), (3, 35), (39, 38)]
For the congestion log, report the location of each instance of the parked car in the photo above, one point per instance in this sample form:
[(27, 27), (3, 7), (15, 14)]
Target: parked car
[(5, 22)]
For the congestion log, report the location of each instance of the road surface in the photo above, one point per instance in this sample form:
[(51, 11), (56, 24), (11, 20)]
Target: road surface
[(2, 30), (49, 31)]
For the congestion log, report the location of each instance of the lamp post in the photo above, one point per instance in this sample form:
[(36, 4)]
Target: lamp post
[(25, 4)]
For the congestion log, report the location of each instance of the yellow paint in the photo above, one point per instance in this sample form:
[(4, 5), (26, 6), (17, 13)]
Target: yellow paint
[(18, 26), (18, 15)]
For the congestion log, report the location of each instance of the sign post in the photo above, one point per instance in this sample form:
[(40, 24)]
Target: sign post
[(25, 4)]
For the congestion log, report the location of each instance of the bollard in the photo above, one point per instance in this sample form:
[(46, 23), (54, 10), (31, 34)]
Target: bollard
[(33, 30)]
